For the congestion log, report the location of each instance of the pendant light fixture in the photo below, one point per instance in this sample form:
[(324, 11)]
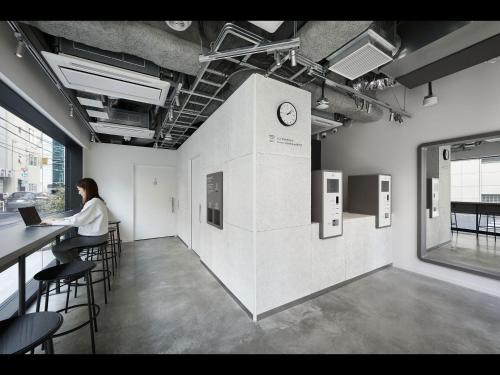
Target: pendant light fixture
[(430, 99)]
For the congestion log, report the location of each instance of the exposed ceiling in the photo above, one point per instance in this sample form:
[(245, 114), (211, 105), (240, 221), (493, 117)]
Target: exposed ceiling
[(197, 89)]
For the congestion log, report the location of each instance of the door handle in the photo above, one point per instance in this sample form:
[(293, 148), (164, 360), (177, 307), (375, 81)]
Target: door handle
[(173, 203), (199, 212)]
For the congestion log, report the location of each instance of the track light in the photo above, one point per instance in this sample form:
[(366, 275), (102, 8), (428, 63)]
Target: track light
[(177, 101), (170, 115), (322, 102), (19, 49), (155, 145), (368, 107), (71, 110), (277, 58), (293, 58), (391, 116), (92, 139), (430, 99)]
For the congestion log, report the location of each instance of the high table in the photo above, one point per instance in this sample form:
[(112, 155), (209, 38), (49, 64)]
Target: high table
[(19, 241), (476, 208)]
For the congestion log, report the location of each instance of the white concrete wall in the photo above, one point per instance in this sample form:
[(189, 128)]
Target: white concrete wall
[(468, 104), (225, 142), (112, 167), (26, 78)]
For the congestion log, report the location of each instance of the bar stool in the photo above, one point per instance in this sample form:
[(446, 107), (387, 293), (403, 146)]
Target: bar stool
[(487, 226), (23, 333), (69, 272), (117, 224), (99, 252)]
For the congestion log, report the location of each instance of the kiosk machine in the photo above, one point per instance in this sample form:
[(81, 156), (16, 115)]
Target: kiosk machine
[(371, 195), (433, 196), (326, 207)]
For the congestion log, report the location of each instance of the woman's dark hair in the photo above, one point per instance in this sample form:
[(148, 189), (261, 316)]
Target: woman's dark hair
[(90, 187)]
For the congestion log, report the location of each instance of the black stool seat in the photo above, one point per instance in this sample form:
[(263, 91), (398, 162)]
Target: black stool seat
[(65, 271), (20, 334), (114, 222)]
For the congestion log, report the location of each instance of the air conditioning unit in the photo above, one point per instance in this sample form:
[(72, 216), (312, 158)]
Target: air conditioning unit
[(90, 76), (320, 124), (3, 173), (122, 130), (366, 52)]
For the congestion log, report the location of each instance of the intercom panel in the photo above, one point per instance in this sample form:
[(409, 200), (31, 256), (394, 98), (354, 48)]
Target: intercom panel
[(327, 205), (433, 197), (215, 199)]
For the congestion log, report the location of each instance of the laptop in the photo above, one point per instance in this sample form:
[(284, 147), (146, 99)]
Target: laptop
[(31, 217)]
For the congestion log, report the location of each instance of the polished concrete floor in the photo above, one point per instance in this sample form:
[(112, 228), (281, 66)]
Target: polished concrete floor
[(164, 301), (481, 253)]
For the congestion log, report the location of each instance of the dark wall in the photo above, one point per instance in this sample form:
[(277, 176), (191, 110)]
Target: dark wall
[(315, 155)]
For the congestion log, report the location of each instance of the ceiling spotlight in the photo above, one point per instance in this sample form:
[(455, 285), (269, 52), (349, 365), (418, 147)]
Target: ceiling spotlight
[(391, 116), (127, 138), (170, 115), (177, 101), (155, 145), (19, 49), (178, 25), (430, 99), (71, 110), (92, 139), (277, 58), (368, 107), (293, 58), (322, 102), (168, 137)]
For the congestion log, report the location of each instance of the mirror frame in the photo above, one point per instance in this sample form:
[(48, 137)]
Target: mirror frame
[(422, 201)]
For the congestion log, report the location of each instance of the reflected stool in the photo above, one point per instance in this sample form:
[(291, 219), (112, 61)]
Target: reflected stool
[(67, 273)]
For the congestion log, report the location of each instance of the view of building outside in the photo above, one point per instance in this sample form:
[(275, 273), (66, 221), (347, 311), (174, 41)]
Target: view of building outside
[(31, 169), (31, 174), (476, 180)]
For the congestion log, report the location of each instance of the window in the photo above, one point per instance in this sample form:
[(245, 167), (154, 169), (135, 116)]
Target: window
[(32, 163), (476, 180)]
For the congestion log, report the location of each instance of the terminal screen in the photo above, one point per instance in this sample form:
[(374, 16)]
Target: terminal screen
[(332, 185), (385, 186)]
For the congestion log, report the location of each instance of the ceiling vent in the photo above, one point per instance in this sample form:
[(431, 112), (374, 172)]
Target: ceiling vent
[(361, 55), (321, 124), (122, 130), (89, 76)]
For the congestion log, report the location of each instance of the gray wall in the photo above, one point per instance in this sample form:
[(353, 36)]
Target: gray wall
[(468, 104), (30, 81)]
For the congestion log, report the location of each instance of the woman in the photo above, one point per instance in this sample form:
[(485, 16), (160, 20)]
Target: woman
[(92, 223)]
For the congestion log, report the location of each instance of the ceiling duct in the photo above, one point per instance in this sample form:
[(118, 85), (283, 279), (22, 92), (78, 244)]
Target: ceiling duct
[(343, 104), (318, 39), (434, 49), (89, 76), (131, 37)]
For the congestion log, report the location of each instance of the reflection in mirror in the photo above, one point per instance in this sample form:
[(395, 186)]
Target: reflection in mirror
[(460, 204)]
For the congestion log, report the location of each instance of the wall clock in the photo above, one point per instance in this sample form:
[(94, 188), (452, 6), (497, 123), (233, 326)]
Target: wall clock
[(287, 114), (446, 154)]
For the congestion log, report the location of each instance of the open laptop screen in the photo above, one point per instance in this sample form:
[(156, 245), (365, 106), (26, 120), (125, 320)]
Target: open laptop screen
[(30, 215)]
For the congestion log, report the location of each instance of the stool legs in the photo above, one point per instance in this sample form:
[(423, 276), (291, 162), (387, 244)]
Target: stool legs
[(67, 296), (91, 316), (104, 274), (49, 347)]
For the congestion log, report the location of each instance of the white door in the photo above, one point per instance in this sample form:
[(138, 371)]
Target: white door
[(196, 198), (154, 205)]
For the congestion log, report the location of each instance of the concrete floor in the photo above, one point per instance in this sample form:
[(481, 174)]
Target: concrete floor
[(481, 253), (164, 301)]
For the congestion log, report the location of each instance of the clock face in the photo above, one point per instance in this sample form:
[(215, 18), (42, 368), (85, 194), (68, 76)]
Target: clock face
[(287, 114)]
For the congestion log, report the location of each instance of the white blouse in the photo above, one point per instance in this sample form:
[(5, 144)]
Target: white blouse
[(92, 220)]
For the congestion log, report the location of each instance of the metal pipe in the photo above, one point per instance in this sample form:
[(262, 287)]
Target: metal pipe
[(263, 47)]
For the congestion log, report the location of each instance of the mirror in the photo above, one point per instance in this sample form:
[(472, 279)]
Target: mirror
[(459, 203)]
